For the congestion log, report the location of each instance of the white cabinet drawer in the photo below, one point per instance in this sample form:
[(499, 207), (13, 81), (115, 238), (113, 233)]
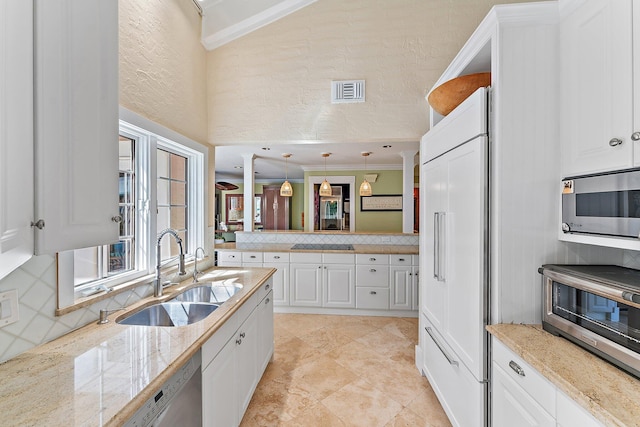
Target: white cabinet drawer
[(276, 257), (397, 260), (336, 258), (513, 406), (229, 258), (372, 275), (306, 257), (538, 387), (460, 394), (372, 259), (372, 298), (265, 288), (251, 257), (212, 347)]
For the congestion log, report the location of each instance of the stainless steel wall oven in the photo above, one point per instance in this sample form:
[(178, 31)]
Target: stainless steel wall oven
[(596, 307)]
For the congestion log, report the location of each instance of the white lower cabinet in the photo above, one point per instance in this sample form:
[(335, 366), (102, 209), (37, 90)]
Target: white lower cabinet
[(322, 280), (521, 396), (234, 359), (306, 285), (401, 287)]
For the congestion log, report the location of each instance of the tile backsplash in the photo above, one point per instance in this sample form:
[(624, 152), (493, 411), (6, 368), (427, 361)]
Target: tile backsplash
[(35, 283), (338, 238)]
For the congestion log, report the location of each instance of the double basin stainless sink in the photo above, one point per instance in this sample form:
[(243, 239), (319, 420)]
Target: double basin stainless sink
[(189, 306)]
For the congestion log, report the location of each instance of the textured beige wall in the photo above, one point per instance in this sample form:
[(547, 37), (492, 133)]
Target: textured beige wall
[(274, 84), (163, 64)]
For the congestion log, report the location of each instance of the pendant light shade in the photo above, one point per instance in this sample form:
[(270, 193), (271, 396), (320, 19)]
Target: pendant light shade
[(365, 187), (325, 188), (286, 190)]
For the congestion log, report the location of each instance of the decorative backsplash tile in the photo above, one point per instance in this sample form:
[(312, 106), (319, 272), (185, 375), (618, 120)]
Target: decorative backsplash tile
[(302, 237)]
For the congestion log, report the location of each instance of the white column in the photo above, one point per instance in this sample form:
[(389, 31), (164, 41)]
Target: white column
[(408, 165), (249, 195)]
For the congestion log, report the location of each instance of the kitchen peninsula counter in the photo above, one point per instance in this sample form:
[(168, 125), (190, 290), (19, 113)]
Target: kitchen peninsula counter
[(287, 247), (607, 392), (101, 374)]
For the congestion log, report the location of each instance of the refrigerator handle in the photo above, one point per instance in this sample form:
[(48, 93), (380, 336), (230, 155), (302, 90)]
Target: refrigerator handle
[(436, 245), (450, 359), (442, 241)]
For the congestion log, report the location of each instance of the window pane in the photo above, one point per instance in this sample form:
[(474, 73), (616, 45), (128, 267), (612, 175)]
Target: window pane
[(126, 154), (178, 218), (178, 167), (163, 192), (178, 193), (120, 257), (164, 221), (163, 164)]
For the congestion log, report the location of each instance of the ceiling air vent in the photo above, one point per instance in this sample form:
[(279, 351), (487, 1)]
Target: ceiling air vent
[(347, 91)]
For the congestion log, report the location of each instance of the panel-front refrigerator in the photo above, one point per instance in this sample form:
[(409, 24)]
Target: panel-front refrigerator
[(454, 261)]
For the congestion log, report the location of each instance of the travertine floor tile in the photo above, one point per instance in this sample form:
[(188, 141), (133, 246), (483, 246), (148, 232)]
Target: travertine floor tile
[(344, 371)]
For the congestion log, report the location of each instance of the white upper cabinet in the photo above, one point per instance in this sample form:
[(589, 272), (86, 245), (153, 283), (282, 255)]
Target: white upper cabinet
[(16, 133), (597, 95), (76, 96)]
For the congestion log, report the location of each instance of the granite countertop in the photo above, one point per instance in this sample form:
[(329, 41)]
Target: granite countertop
[(610, 394), (101, 374), (286, 247)]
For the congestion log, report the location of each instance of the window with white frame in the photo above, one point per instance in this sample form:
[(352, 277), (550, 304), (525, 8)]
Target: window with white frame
[(161, 185)]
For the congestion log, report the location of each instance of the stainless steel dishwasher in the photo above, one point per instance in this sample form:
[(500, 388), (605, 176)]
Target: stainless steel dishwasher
[(177, 403)]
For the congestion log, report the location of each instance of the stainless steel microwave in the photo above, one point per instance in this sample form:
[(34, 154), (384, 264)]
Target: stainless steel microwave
[(606, 204), (596, 307)]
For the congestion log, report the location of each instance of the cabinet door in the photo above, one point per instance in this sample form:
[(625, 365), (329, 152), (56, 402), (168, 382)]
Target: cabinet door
[(338, 286), (306, 285), (570, 414), (596, 87), (16, 133), (433, 179), (246, 361), (464, 264), (76, 123), (280, 283), (265, 332), (512, 406), (401, 288), (220, 389)]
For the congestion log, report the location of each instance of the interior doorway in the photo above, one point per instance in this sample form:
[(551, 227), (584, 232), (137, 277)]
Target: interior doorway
[(275, 209)]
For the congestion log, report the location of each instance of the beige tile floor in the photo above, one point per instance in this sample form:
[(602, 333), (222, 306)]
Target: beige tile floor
[(344, 371)]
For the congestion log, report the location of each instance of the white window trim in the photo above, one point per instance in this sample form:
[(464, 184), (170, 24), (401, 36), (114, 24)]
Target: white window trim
[(150, 135)]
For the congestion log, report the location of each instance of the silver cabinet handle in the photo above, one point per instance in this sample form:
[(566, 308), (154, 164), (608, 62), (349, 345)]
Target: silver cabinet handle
[(635, 136), (450, 359), (276, 257), (373, 293), (267, 301), (252, 256), (372, 259), (373, 270), (516, 368), (232, 256), (267, 287), (401, 259), (116, 219), (614, 142), (242, 335)]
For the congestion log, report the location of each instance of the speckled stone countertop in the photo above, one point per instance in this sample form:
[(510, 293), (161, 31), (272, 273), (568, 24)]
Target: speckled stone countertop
[(611, 395), (286, 247), (101, 374)]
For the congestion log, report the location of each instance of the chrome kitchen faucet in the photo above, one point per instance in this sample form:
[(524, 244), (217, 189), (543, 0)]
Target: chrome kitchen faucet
[(157, 283)]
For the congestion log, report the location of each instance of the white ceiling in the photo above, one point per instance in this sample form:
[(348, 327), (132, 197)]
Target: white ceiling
[(269, 164)]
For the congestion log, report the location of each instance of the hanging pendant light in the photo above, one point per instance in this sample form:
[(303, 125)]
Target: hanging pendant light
[(365, 187), (325, 188), (286, 190)]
